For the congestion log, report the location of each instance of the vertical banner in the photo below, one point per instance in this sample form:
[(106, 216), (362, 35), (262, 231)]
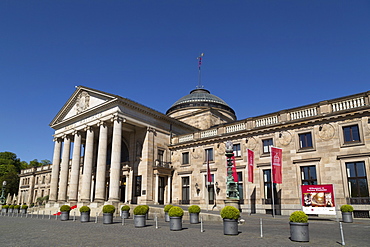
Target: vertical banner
[(209, 177), (250, 165), (276, 165), (235, 174), (318, 199)]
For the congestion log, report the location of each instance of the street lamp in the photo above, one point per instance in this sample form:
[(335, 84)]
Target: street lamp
[(2, 198), (232, 192)]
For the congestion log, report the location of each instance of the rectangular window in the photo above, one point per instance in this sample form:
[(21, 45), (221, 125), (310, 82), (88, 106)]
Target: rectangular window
[(351, 134), (305, 140), (211, 189), (308, 174), (357, 181), (138, 186), (236, 150), (267, 143), (209, 154), (185, 158), (240, 185), (267, 187), (160, 157), (185, 199)]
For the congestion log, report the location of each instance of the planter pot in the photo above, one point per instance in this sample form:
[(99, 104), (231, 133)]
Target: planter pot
[(10, 210), (16, 211), (175, 223), (140, 220), (194, 218), (299, 232), (4, 210), (107, 218), (64, 216), (125, 214), (166, 217), (147, 216), (23, 210), (85, 217), (230, 227), (347, 217)]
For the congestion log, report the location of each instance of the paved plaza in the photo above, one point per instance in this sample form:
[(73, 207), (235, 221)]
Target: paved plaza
[(42, 231)]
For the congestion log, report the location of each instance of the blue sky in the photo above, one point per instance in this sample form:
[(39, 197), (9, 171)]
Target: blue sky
[(260, 56)]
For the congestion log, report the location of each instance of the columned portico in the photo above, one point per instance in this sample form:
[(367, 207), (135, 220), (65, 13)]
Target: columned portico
[(54, 171), (88, 163), (102, 163), (75, 168), (64, 168)]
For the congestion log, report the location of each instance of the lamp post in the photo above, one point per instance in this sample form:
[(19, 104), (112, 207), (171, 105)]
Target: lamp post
[(232, 193), (2, 198)]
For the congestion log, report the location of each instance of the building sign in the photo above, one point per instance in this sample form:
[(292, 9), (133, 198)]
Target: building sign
[(318, 199)]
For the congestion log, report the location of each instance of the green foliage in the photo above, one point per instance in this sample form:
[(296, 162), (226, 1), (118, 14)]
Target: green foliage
[(84, 209), (195, 209), (109, 209), (147, 207), (11, 206), (176, 211), (230, 212), (5, 206), (125, 208), (17, 207), (65, 208), (346, 208), (140, 210), (24, 206), (10, 167), (167, 208), (298, 217)]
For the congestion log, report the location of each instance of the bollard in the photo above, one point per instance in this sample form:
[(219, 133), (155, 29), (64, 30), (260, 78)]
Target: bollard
[(156, 222), (43, 214), (37, 214), (96, 218), (201, 224), (123, 221), (49, 215), (341, 233), (261, 227), (56, 215), (74, 216)]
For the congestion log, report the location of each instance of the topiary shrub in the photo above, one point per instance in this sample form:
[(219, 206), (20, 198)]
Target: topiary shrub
[(84, 209), (167, 208), (194, 209), (346, 208), (109, 209), (11, 206), (125, 208), (65, 208), (298, 217), (147, 208), (176, 211), (5, 206), (140, 210), (17, 207), (230, 212), (24, 206)]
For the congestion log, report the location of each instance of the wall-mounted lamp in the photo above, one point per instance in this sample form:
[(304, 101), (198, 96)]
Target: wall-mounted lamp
[(197, 188), (217, 188), (280, 134), (320, 127)]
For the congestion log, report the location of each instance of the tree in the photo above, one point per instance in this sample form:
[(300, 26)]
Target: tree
[(10, 167)]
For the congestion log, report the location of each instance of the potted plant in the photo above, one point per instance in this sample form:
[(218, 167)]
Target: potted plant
[(299, 227), (147, 212), (4, 208), (85, 214), (16, 208), (347, 213), (108, 211), (125, 212), (194, 211), (230, 216), (24, 209), (11, 208), (65, 209), (140, 215), (166, 209), (175, 215)]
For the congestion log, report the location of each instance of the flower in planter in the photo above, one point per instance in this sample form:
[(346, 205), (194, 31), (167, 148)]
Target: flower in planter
[(24, 206), (176, 211), (108, 209), (346, 208), (125, 208), (65, 208), (298, 217), (194, 209), (84, 209), (230, 212), (140, 210), (167, 208)]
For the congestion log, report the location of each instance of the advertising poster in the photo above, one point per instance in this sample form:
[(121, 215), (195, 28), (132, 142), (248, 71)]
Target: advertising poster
[(318, 199)]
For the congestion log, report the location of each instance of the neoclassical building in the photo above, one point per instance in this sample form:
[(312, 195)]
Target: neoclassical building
[(109, 149)]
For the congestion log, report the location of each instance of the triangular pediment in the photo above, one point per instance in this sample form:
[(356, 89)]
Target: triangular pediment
[(81, 101)]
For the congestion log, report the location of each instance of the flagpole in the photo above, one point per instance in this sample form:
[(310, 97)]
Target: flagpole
[(199, 70), (272, 186), (207, 181)]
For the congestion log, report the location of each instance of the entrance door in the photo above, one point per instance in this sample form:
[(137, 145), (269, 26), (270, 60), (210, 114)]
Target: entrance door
[(123, 189), (161, 186), (211, 194), (185, 197)]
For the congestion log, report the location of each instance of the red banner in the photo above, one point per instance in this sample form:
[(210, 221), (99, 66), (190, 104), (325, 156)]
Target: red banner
[(235, 174), (277, 165), (209, 177), (250, 165), (318, 199)]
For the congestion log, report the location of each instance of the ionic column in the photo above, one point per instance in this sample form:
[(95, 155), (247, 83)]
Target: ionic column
[(64, 168), (75, 168), (168, 189), (102, 163), (156, 189), (87, 168), (54, 172), (115, 167)]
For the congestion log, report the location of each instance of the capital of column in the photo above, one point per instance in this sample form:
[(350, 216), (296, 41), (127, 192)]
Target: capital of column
[(102, 123), (118, 119), (66, 136), (88, 127), (57, 139), (76, 132), (151, 129)]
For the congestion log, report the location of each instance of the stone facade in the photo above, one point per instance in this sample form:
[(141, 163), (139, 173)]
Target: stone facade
[(109, 149)]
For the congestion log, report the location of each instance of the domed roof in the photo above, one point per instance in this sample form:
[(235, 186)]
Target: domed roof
[(200, 97)]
